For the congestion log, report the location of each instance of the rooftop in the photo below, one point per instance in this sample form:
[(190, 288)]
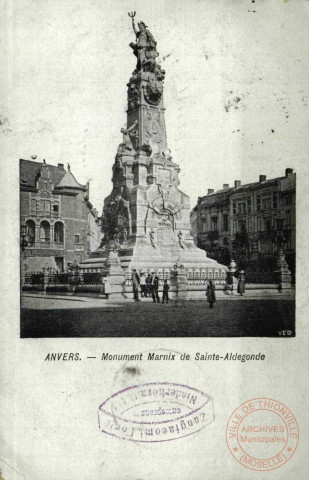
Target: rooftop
[(30, 171)]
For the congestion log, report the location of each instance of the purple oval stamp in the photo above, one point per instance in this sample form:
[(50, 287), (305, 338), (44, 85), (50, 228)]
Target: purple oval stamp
[(155, 412)]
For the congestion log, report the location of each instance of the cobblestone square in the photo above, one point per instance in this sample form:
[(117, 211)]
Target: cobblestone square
[(232, 317)]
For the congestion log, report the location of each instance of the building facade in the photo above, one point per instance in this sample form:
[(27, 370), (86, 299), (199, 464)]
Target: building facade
[(247, 214), (60, 223)]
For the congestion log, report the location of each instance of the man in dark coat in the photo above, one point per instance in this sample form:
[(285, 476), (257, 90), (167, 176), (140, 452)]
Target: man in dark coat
[(241, 283), (166, 288), (135, 283), (155, 288), (210, 293), (148, 284)]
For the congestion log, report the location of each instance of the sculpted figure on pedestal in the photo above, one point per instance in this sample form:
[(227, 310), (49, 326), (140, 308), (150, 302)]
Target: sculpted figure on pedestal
[(126, 147), (144, 48)]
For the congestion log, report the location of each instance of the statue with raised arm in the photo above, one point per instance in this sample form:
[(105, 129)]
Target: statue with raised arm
[(144, 48)]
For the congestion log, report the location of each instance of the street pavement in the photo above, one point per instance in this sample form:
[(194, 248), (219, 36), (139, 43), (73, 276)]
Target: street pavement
[(95, 317)]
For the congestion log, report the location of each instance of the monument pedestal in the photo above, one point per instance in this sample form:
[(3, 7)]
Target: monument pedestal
[(115, 273), (282, 273)]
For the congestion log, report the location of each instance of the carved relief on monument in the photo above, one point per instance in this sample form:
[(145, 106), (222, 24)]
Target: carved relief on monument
[(133, 96), (164, 176), (180, 239), (153, 89), (154, 128), (162, 213)]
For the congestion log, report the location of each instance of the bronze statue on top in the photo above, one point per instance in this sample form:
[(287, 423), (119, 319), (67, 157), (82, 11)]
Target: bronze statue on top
[(144, 48)]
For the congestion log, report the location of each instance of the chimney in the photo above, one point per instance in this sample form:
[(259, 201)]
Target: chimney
[(288, 171), (262, 178), (210, 190), (237, 183), (199, 200), (60, 166), (225, 185)]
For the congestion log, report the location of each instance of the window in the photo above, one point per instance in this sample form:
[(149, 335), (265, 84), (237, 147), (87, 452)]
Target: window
[(275, 200), (45, 232), (204, 225), (33, 205), (58, 232), (249, 205), (234, 226), (258, 203), (225, 223), (268, 248), (242, 226), (47, 206), (234, 208), (266, 203), (56, 207), (249, 225), (259, 224), (76, 238), (288, 218), (31, 231), (267, 225), (288, 200), (214, 224), (45, 187), (242, 208)]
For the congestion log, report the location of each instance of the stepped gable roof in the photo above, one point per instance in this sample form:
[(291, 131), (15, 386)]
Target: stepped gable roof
[(69, 181), (29, 170)]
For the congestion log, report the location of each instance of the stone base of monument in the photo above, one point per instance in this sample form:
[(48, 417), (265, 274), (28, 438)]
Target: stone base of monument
[(139, 254), (144, 257)]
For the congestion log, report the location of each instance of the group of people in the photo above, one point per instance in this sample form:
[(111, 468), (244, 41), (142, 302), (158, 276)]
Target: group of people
[(149, 287), (235, 281)]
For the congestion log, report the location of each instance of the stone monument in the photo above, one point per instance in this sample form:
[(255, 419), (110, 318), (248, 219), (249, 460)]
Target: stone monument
[(146, 213)]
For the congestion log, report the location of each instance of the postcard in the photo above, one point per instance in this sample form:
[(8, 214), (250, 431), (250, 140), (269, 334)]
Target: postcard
[(154, 205)]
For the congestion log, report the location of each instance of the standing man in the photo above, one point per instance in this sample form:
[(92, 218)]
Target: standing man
[(166, 288), (143, 285), (148, 284), (211, 294), (136, 283), (155, 288), (241, 282)]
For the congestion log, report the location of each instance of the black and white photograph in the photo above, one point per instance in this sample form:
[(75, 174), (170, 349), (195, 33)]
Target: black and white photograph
[(158, 171), (154, 214)]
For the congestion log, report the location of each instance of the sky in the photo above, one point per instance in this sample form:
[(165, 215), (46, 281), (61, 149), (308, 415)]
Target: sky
[(235, 92)]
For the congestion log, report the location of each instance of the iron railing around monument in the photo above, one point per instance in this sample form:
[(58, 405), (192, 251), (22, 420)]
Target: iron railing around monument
[(197, 276), (63, 279)]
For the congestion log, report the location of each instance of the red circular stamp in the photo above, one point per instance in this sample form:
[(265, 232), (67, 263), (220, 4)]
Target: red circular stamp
[(262, 434)]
